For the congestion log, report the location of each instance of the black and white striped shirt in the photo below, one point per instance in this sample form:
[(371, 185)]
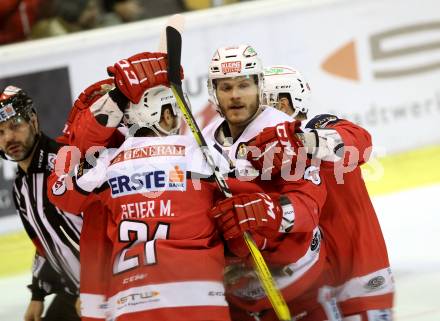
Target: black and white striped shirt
[(55, 233)]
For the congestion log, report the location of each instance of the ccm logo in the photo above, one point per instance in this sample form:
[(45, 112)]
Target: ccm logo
[(131, 76), (138, 181)]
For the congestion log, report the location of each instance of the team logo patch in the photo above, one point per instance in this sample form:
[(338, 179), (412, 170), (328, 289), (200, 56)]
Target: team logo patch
[(321, 121), (51, 157), (7, 112), (254, 291), (241, 151), (80, 170), (231, 66), (375, 283), (59, 188), (316, 241), (249, 52)]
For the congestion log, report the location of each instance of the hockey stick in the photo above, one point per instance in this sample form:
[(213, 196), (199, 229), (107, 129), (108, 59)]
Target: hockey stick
[(174, 49)]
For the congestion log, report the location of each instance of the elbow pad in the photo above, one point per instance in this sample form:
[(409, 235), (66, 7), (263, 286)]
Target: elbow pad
[(324, 144)]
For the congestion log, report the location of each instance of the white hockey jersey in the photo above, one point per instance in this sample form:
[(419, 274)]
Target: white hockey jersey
[(230, 157), (296, 256)]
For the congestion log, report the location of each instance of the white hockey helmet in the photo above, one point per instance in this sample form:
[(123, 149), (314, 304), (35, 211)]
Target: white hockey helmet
[(234, 61), (147, 113), (286, 80)]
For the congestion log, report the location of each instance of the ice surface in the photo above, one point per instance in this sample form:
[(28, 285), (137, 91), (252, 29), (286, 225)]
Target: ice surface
[(411, 225)]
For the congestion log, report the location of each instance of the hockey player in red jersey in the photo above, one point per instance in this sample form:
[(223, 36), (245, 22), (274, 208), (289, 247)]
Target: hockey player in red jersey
[(282, 216), (166, 260), (361, 279), (83, 131), (90, 127)]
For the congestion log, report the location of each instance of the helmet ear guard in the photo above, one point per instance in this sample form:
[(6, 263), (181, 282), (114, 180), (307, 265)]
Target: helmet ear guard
[(286, 80), (148, 112)]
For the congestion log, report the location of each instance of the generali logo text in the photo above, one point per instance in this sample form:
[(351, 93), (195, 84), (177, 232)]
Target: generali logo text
[(401, 43)]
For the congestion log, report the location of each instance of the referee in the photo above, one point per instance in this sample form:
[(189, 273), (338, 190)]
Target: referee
[(55, 234)]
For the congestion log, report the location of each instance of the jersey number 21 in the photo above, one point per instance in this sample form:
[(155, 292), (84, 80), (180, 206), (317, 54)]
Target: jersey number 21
[(124, 263)]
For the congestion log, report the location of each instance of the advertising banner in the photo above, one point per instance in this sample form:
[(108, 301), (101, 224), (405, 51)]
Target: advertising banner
[(373, 62)]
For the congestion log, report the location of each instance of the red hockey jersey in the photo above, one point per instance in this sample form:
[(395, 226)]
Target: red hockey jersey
[(166, 260), (83, 132), (358, 270), (355, 244)]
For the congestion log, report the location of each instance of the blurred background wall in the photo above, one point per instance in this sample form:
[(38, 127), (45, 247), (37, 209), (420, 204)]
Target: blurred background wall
[(374, 62)]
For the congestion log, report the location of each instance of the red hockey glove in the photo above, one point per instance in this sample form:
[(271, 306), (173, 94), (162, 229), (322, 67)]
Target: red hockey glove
[(247, 212), (140, 72), (84, 101), (279, 140)]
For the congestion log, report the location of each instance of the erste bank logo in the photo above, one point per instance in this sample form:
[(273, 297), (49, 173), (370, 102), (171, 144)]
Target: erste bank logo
[(394, 49), (172, 179)]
